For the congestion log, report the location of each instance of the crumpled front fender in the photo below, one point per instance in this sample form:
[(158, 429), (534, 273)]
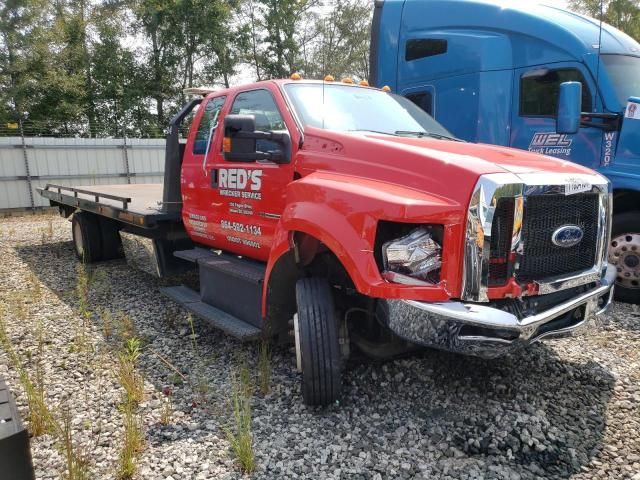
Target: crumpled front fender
[(343, 211)]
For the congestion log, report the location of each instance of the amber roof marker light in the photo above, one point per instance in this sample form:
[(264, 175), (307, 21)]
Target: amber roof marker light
[(295, 76), (329, 78)]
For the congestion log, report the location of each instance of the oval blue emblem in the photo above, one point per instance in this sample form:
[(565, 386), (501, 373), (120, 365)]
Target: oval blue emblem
[(567, 236)]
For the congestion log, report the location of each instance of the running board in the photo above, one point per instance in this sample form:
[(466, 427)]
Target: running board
[(229, 324), (194, 254)]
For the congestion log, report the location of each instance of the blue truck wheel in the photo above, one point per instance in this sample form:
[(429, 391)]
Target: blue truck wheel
[(624, 253)]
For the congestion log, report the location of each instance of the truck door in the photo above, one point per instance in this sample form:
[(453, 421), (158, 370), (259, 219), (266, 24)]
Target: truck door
[(194, 178), (249, 198), (536, 90)]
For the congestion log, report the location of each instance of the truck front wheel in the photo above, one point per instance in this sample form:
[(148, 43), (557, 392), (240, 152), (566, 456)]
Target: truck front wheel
[(624, 253), (87, 237), (317, 342)]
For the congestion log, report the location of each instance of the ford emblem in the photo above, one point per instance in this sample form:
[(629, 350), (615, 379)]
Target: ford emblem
[(567, 236)]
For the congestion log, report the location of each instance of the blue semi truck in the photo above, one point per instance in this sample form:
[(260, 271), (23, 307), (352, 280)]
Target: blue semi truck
[(528, 76)]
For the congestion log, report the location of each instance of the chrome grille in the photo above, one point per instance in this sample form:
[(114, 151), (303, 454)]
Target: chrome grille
[(544, 202), (543, 215), (501, 236)]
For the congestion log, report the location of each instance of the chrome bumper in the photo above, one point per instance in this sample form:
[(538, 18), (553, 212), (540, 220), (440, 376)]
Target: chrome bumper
[(489, 332)]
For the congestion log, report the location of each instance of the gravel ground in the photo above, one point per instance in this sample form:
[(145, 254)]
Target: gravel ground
[(568, 408)]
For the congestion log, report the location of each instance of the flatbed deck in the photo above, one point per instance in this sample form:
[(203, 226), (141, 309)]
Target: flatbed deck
[(135, 204)]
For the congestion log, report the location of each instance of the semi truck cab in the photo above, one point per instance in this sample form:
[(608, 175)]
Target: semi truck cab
[(498, 72)]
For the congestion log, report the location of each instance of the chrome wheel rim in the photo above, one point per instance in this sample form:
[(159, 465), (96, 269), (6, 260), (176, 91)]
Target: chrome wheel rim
[(77, 237), (624, 253)]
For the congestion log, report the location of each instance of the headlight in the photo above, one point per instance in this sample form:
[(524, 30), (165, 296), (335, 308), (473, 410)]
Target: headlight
[(413, 259)]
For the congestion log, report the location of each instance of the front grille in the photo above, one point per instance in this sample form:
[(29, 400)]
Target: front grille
[(543, 215), (501, 237)]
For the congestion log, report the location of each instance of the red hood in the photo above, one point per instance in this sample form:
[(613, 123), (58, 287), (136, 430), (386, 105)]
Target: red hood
[(441, 167)]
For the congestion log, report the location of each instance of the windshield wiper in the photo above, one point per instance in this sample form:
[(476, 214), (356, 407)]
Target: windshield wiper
[(427, 134), (373, 131)]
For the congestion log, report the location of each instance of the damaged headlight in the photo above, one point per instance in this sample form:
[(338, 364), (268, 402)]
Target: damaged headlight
[(414, 259)]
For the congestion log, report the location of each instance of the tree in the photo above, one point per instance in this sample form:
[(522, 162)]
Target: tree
[(342, 43), (19, 21), (622, 14), (157, 19), (282, 23)]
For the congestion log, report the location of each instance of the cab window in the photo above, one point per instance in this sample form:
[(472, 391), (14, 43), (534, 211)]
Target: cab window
[(424, 100), (208, 124), (540, 89), (262, 106)]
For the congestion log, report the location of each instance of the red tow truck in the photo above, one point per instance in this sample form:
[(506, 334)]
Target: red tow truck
[(343, 215)]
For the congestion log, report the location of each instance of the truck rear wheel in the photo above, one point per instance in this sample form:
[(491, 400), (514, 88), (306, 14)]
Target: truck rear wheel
[(87, 237), (110, 239), (624, 253), (317, 343)]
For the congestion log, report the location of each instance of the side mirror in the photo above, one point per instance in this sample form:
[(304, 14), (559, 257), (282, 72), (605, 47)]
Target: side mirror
[(569, 108), (240, 142)]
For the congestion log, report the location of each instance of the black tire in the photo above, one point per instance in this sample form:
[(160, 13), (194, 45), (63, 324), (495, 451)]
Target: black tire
[(111, 242), (624, 252), (87, 237), (319, 348)]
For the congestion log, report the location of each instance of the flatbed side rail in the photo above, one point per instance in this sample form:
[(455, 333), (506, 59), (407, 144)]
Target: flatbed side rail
[(125, 200)]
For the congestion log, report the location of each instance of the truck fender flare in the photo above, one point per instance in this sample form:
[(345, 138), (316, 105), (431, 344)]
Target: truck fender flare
[(353, 251)]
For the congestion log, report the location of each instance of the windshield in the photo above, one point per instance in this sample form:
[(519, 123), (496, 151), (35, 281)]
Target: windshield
[(624, 72), (352, 109)]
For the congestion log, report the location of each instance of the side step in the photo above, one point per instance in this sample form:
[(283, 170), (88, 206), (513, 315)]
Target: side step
[(229, 324), (194, 254)]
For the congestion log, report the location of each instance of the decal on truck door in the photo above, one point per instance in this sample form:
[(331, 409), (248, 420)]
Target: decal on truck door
[(233, 182), (607, 152), (550, 144)]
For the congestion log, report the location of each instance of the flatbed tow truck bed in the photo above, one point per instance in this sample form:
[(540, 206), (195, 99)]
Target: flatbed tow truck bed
[(135, 204)]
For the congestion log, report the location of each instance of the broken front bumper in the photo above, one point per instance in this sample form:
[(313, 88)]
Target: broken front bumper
[(487, 331)]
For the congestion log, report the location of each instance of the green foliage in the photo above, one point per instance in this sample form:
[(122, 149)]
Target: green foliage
[(622, 14), (105, 68)]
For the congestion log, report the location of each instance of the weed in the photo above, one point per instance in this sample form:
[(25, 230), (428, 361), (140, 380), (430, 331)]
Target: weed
[(18, 307), (167, 406), (77, 464), (126, 329), (36, 288), (245, 378), (239, 434), (132, 444), (40, 419), (129, 378), (107, 322), (264, 367), (177, 379), (194, 342)]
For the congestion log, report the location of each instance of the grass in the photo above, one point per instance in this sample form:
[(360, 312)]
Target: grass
[(106, 318), (239, 433), (133, 384), (166, 414), (132, 444), (77, 464), (128, 376), (126, 328), (39, 416)]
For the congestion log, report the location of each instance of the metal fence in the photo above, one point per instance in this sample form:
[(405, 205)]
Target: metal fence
[(27, 163)]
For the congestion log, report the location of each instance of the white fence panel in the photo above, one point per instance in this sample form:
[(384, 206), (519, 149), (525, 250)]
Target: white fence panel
[(73, 162)]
